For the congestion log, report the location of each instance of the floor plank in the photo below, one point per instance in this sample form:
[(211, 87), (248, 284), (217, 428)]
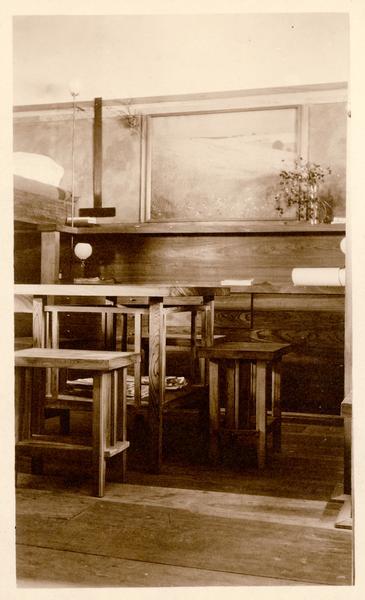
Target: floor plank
[(96, 571), (192, 524), (180, 538), (272, 509)]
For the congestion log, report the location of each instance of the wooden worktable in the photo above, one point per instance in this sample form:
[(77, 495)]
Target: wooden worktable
[(155, 297)]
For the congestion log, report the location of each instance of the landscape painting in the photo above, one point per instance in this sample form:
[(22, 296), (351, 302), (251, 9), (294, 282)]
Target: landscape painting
[(217, 166)]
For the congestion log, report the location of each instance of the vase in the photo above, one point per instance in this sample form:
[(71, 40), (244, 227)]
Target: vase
[(314, 216)]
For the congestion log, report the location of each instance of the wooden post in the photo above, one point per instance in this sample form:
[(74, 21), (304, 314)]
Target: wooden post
[(98, 210), (50, 256)]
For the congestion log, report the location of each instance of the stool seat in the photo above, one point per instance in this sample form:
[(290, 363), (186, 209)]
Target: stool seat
[(109, 403), (244, 417), (245, 351), (98, 360)]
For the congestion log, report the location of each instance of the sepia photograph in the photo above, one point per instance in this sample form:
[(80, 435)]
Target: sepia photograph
[(181, 350)]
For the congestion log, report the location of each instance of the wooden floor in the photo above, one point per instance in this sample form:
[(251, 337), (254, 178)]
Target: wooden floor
[(192, 525)]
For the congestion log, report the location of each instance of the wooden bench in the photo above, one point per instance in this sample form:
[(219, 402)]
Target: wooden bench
[(245, 417), (109, 427)]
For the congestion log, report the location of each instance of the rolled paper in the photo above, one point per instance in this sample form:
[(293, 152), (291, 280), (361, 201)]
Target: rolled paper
[(342, 275), (319, 276)]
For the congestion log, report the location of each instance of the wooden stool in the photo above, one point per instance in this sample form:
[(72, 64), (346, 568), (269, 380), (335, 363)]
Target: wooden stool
[(245, 418), (109, 431)]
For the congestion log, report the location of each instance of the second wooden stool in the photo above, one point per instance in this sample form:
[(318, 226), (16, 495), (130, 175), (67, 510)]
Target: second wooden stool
[(258, 356)]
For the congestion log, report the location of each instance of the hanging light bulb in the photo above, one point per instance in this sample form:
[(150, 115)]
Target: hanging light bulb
[(83, 250), (74, 87)]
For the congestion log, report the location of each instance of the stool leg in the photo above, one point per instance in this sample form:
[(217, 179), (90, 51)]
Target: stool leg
[(232, 396), (276, 404), (252, 395), (54, 343), (193, 347), (124, 332), (213, 410), (118, 423), (101, 397), (203, 361), (260, 393), (245, 391), (122, 417)]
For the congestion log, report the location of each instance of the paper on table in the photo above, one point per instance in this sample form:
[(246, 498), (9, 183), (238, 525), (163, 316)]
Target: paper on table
[(241, 282)]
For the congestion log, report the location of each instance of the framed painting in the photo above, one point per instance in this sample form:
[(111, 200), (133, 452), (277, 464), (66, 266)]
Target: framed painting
[(218, 165)]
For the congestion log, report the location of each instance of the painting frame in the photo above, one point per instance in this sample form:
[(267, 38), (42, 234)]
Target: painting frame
[(152, 164)]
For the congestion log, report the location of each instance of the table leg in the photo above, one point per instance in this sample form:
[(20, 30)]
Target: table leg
[(157, 369), (207, 335), (38, 323), (213, 411), (193, 347), (109, 330), (137, 366), (37, 416)]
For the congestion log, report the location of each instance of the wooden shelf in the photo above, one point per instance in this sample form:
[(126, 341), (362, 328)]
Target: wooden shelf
[(202, 228)]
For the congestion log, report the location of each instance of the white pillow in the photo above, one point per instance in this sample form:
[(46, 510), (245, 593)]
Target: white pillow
[(37, 166)]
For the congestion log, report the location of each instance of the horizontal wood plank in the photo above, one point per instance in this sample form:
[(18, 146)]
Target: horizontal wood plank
[(57, 567), (177, 537), (209, 227)]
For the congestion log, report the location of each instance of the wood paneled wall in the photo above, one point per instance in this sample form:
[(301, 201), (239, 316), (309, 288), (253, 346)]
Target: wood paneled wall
[(211, 258), (311, 320)]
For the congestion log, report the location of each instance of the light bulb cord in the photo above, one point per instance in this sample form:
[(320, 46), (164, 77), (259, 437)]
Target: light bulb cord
[(73, 160)]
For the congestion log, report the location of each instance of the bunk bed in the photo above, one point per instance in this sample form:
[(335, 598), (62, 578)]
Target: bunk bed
[(38, 197)]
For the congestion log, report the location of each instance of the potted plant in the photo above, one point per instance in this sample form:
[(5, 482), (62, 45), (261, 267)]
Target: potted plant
[(302, 187)]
